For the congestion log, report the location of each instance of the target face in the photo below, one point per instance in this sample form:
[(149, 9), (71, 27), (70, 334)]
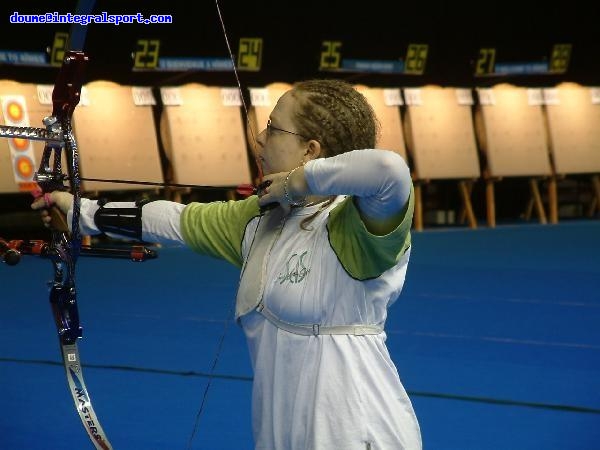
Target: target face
[(14, 111), (20, 144), (24, 167)]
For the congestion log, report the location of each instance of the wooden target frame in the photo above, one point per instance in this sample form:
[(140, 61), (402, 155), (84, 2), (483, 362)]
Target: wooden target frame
[(117, 138), (387, 109), (440, 137), (511, 131), (573, 117), (202, 131)]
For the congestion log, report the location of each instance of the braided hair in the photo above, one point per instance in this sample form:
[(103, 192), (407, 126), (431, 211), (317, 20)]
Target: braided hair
[(335, 114)]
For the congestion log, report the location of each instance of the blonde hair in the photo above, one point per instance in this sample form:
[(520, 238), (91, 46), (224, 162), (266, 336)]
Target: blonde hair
[(336, 115)]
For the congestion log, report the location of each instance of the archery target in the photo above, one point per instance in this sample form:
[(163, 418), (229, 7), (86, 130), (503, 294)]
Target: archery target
[(20, 144), (202, 128), (24, 167), (14, 111)]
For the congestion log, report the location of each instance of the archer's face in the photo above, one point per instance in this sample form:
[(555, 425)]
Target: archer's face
[(280, 148)]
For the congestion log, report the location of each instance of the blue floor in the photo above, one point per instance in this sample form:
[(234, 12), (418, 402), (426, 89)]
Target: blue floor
[(496, 337)]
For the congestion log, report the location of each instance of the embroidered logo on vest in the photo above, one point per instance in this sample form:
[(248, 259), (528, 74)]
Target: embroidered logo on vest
[(295, 270)]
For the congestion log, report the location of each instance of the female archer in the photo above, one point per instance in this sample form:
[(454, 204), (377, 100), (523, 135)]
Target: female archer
[(318, 270)]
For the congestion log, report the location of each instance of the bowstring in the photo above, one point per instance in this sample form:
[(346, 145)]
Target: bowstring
[(260, 176), (240, 89)]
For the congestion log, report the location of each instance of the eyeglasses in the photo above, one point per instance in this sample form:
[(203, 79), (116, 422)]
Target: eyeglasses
[(271, 128)]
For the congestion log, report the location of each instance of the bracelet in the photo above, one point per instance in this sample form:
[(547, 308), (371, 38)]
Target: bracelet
[(48, 200), (286, 193)]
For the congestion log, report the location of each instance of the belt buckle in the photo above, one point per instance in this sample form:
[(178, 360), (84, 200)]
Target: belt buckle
[(315, 329)]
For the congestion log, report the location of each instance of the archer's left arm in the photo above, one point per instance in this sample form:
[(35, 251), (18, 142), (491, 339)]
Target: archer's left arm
[(157, 221)]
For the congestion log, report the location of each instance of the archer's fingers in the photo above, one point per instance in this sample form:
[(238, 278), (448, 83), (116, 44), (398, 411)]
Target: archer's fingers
[(39, 203), (46, 218), (63, 200), (55, 219)]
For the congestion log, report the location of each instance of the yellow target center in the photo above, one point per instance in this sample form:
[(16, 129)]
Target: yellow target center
[(14, 111)]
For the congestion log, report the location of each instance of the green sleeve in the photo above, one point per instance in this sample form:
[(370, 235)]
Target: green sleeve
[(217, 228), (365, 255)]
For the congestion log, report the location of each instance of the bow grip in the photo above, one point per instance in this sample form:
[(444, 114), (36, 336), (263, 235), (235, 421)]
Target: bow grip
[(64, 306)]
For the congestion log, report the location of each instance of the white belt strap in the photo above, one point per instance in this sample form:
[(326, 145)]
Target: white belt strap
[(316, 329)]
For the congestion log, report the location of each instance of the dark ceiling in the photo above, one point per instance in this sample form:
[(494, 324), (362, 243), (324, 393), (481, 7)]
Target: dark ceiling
[(293, 33)]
